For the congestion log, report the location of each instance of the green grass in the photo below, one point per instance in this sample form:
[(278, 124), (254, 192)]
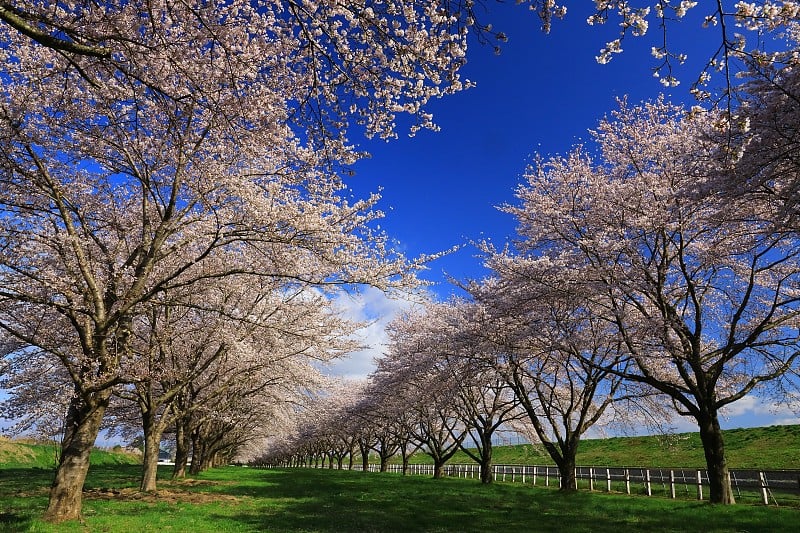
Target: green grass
[(769, 448), (305, 500)]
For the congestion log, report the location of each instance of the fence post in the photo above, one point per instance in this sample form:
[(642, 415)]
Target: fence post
[(591, 478), (699, 485), (534, 475), (627, 481), (672, 484), (648, 486), (523, 473), (608, 480), (547, 476), (764, 494)]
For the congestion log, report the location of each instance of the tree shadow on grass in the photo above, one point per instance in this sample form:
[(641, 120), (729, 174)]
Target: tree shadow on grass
[(118, 476), (23, 496), (10, 521), (328, 502), (23, 480)]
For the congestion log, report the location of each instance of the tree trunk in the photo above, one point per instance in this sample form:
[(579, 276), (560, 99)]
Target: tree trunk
[(364, 460), (181, 451), (719, 477), (486, 461), (438, 469), (384, 463), (81, 429), (566, 468), (152, 448), (198, 453), (486, 471), (405, 464)]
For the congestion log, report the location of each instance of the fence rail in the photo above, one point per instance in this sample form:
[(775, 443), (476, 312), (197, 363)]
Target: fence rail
[(778, 487)]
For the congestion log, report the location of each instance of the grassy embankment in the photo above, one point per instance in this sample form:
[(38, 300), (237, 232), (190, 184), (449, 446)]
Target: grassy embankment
[(769, 448), (23, 453)]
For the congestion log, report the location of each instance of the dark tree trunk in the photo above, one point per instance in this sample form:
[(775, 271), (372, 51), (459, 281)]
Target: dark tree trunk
[(152, 447), (486, 471), (181, 451), (719, 477), (81, 429), (566, 468), (405, 464), (438, 469), (486, 460), (198, 453), (385, 463)]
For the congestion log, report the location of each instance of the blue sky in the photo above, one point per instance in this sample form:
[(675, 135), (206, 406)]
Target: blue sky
[(540, 95)]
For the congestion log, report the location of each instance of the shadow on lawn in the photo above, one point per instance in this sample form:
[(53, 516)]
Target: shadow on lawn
[(14, 521), (328, 502), (23, 495), (15, 480)]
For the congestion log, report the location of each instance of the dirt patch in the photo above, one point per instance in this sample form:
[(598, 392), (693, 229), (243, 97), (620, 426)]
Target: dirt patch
[(170, 492)]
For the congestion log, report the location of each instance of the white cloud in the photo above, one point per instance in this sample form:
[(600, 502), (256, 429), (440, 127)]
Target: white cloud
[(748, 404), (753, 411), (374, 307)]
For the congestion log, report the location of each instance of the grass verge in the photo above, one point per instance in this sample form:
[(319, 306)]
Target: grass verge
[(305, 500)]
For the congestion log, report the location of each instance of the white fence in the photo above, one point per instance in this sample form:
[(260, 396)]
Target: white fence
[(767, 486)]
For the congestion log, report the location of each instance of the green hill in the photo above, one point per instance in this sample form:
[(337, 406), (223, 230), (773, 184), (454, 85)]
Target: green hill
[(773, 447), (17, 453)]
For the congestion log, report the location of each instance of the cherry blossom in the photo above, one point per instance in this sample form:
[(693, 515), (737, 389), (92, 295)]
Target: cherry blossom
[(701, 288)]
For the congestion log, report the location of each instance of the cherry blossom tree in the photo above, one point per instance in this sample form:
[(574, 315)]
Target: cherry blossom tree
[(204, 342), (38, 394), (436, 362), (100, 217), (418, 414), (763, 141), (553, 350), (701, 289), (744, 32), (336, 62), (145, 146)]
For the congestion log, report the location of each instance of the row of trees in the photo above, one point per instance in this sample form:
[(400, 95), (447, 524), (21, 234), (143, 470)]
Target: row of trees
[(656, 273), (173, 223)]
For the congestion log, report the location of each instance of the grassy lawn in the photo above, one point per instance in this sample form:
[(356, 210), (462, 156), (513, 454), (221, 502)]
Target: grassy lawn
[(306, 500)]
